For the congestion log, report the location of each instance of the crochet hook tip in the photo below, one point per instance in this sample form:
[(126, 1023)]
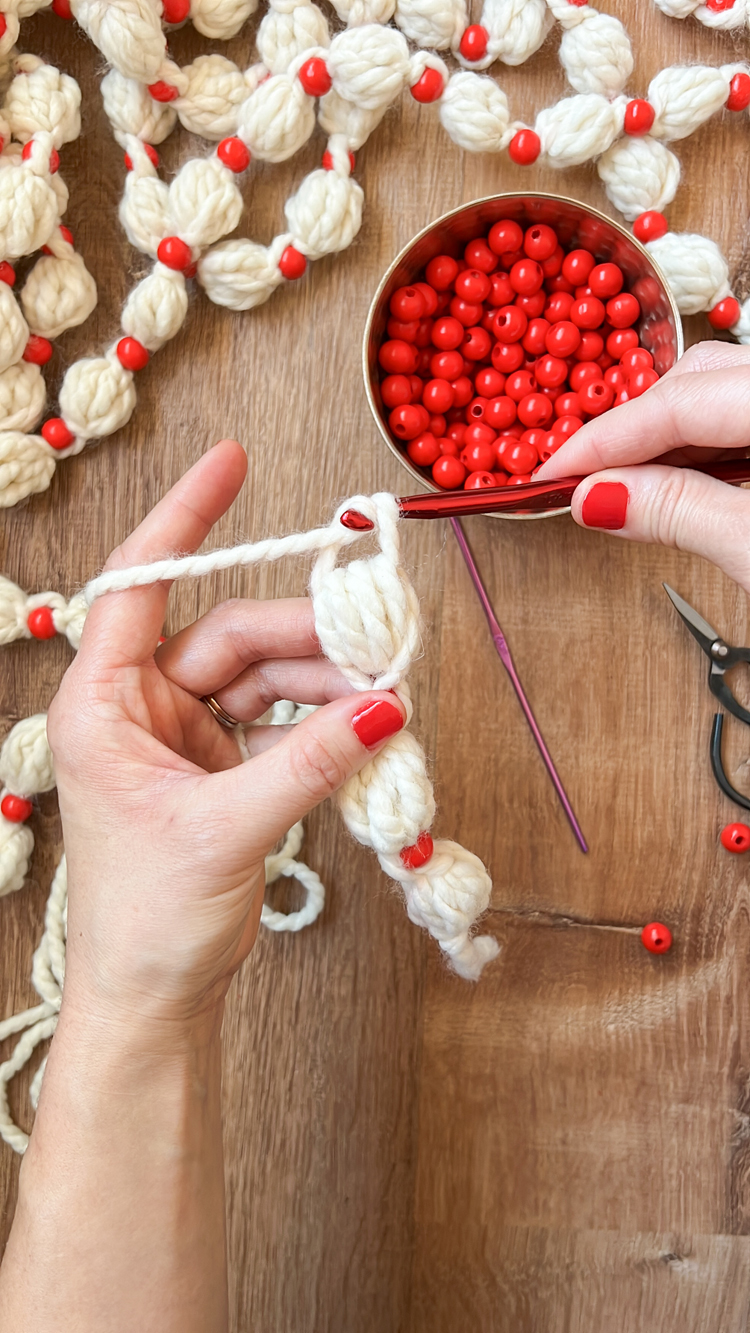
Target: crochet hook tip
[(356, 522)]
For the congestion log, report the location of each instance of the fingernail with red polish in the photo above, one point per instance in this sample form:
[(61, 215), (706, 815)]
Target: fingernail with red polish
[(606, 506), (376, 721)]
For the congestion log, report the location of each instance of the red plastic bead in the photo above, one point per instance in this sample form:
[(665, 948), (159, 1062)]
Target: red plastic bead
[(163, 92), (472, 285), (62, 9), (407, 303), (151, 154), (521, 383), (623, 311), (429, 87), (526, 277), (463, 389), (40, 623), (38, 351), (489, 382), (315, 78), (621, 341), (739, 92), (447, 334), (407, 422), (500, 412), (524, 148), (438, 425), (577, 265), (650, 226), (292, 264), (479, 456), (558, 307), (56, 433), (16, 809), (473, 44), (586, 372), (7, 273), (480, 481), (535, 410), (725, 314), (479, 256), (478, 433), (606, 280), (3, 25), (520, 457), (429, 296), (174, 253), (587, 313), (540, 242), (466, 312), (639, 117), (397, 357), (596, 397), (532, 306), (66, 235), (424, 450), (441, 272), (563, 338), (510, 324), (175, 11), (54, 157), (639, 380), (719, 6), (131, 354), (505, 237), (567, 405), (656, 937), (551, 371), (396, 328), (396, 390), (233, 153), (448, 365), (448, 472), (507, 357), (590, 347), (534, 339), (437, 395), (566, 426), (735, 837)]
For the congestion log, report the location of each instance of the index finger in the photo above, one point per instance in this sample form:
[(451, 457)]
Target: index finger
[(706, 409), (126, 625)]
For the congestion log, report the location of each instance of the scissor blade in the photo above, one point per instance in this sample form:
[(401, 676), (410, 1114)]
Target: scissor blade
[(699, 628)]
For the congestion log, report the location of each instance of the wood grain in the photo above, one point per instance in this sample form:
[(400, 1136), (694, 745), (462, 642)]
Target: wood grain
[(563, 1148)]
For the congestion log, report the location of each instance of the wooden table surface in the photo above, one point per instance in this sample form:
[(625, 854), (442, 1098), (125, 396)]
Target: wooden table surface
[(564, 1147)]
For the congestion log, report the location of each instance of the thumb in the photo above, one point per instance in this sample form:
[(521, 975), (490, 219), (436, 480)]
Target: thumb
[(673, 507), (313, 760)]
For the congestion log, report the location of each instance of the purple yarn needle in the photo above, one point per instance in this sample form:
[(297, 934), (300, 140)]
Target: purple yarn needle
[(503, 651)]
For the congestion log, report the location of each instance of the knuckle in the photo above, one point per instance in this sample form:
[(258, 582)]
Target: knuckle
[(320, 766), (667, 516)]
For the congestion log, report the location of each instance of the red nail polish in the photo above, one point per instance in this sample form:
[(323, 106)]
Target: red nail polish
[(606, 506), (376, 721)]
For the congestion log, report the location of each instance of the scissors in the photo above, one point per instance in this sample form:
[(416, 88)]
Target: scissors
[(722, 657)]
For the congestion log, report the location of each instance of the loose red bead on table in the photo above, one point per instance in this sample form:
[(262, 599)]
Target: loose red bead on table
[(429, 86), (524, 148), (656, 937), (650, 226), (38, 351), (292, 264), (234, 154), (510, 324), (540, 242), (725, 314), (587, 313), (315, 78), (526, 277), (7, 273), (151, 154), (62, 9), (396, 389), (505, 236), (15, 809), (174, 253), (56, 433), (620, 341), (563, 338), (507, 357), (639, 117), (447, 365), (424, 450), (407, 303), (739, 92), (448, 472), (441, 272), (623, 310), (606, 280), (163, 92), (735, 837), (473, 44), (596, 396), (397, 357), (131, 354), (40, 623)]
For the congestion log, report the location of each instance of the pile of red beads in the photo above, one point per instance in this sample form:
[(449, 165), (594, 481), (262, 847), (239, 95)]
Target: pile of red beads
[(492, 361)]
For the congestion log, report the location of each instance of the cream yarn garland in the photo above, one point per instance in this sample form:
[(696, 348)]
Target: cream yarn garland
[(267, 108), (367, 621), (736, 16)]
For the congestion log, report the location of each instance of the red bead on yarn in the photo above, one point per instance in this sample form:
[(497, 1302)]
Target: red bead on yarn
[(473, 44), (163, 92), (735, 837), (3, 25), (174, 253), (725, 314), (719, 6), (639, 117), (429, 87), (66, 235), (524, 148), (233, 153), (62, 9), (417, 855), (131, 354), (175, 11), (38, 351), (16, 809), (327, 161), (650, 226), (656, 937), (40, 623), (292, 263), (151, 154), (56, 433), (314, 77), (7, 273), (54, 157), (739, 93)]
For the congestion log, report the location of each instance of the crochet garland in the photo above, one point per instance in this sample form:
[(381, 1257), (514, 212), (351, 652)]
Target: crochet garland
[(726, 14), (367, 622), (269, 111)]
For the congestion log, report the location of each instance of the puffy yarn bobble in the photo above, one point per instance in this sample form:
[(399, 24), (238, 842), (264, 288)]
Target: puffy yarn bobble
[(220, 19), (28, 209), (58, 294), (356, 13), (683, 98), (216, 89), (41, 98), (26, 765), (390, 801), (325, 214), (156, 308), (129, 35), (277, 119), (446, 896), (145, 201), (367, 622), (516, 30), (289, 28), (241, 274), (14, 332), (131, 110), (694, 268), (437, 24), (96, 397), (369, 65), (639, 174), (22, 396), (596, 55), (16, 846), (578, 128), (474, 112), (726, 19), (337, 116), (26, 466), (204, 202)]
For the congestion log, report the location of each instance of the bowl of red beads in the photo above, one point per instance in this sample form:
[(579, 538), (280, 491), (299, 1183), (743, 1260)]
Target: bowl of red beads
[(502, 328)]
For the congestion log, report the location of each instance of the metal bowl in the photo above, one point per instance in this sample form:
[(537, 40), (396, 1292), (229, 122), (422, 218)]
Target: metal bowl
[(659, 328)]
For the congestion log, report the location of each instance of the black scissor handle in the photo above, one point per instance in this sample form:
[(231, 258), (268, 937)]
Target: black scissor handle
[(717, 764), (718, 685)]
